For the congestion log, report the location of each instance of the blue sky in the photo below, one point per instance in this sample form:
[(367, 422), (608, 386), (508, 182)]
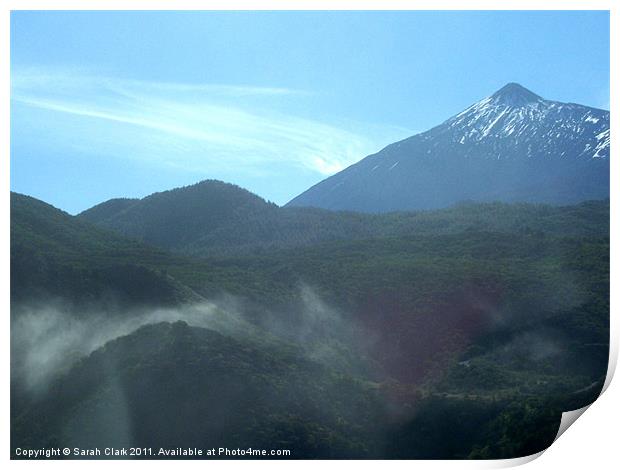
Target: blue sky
[(123, 104)]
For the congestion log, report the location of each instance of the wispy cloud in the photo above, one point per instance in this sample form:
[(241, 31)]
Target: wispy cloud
[(197, 127)]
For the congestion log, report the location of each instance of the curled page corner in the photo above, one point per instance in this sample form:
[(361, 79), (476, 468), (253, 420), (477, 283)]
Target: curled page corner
[(518, 461), (612, 363), (568, 418)]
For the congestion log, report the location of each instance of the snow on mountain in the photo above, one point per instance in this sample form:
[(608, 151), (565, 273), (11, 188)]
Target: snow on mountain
[(524, 116), (511, 146)]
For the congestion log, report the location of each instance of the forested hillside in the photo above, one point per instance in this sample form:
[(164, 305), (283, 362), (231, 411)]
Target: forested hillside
[(212, 217), (490, 317), (55, 255)]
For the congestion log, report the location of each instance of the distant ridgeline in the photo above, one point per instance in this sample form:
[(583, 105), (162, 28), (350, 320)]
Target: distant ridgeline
[(213, 217), (205, 316)]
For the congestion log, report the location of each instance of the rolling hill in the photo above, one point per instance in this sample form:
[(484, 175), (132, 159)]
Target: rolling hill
[(215, 218), (55, 255), (170, 385)]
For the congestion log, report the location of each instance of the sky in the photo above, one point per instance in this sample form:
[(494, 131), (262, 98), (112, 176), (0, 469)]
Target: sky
[(123, 104)]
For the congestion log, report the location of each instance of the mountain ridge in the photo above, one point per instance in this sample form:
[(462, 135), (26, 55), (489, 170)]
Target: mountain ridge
[(187, 212), (260, 226), (512, 146), (56, 255)]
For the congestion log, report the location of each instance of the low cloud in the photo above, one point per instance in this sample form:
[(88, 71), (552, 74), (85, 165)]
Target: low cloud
[(48, 338)]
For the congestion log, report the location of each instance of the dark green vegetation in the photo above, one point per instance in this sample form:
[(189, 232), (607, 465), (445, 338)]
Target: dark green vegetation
[(459, 333), (56, 255), (212, 217), (172, 385)]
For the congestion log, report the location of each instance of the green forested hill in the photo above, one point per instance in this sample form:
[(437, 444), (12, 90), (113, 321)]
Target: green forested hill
[(56, 255), (179, 217), (171, 385), (212, 217), (491, 314), (108, 209), (423, 300)]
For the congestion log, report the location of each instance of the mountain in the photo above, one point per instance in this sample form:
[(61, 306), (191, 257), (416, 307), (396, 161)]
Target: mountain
[(180, 216), (511, 146), (56, 255), (216, 218), (170, 385)]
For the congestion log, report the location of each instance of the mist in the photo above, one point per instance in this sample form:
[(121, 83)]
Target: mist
[(47, 338)]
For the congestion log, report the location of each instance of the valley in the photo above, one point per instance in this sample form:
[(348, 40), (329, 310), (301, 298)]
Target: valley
[(342, 342)]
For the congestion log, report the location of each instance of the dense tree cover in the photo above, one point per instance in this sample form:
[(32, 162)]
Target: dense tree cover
[(212, 217), (172, 385), (56, 255), (464, 332), (181, 216)]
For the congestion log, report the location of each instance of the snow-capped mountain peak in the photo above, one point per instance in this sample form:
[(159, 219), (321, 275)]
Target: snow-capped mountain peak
[(510, 146), (514, 95), (516, 122)]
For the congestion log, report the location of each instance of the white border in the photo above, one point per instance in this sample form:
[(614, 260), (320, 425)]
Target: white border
[(592, 443), (307, 5)]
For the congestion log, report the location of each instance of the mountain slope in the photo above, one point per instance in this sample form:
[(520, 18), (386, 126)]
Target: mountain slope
[(244, 223), (172, 385), (55, 255), (511, 146), (481, 313), (180, 216)]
